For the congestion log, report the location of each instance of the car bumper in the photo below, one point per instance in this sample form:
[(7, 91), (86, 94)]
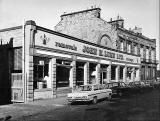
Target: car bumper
[(78, 100)]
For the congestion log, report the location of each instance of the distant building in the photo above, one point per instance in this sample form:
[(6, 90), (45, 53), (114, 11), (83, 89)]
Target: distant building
[(39, 63)]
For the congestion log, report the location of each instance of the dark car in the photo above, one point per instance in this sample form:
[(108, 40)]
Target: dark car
[(137, 87), (155, 84), (118, 89)]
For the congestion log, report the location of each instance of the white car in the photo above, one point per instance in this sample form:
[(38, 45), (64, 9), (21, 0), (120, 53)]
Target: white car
[(90, 92)]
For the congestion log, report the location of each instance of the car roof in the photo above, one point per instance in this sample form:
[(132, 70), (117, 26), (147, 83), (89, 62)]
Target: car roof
[(114, 82), (91, 84)]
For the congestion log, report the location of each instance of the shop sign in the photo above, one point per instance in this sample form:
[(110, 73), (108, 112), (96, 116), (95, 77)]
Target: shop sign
[(69, 45)]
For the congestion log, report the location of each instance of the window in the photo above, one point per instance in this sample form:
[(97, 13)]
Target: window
[(41, 73), (147, 53), (129, 71), (129, 48), (62, 76), (17, 59), (135, 49), (113, 72), (63, 73), (141, 52), (95, 87), (106, 41), (92, 71), (121, 46), (79, 73), (86, 88), (121, 72)]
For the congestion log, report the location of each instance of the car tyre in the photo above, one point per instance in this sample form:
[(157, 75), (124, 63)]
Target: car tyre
[(94, 101)]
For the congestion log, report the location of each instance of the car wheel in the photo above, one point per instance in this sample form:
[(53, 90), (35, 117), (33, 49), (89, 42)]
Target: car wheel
[(94, 100)]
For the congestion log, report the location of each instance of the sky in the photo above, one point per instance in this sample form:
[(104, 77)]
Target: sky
[(46, 13)]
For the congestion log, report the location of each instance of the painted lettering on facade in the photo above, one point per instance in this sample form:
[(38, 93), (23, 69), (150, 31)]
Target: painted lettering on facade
[(129, 59), (66, 46), (102, 53), (89, 50), (69, 45)]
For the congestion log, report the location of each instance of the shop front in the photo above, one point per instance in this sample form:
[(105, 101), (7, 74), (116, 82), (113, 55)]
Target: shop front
[(61, 63), (53, 64)]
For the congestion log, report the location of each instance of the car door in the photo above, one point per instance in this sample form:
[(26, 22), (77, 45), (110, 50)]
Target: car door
[(97, 92), (103, 91)]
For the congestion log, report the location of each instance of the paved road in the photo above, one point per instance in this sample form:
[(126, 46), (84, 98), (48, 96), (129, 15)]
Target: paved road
[(140, 107)]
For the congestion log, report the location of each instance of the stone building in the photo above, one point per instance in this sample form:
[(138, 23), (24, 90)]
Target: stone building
[(42, 63), (88, 25), (132, 41)]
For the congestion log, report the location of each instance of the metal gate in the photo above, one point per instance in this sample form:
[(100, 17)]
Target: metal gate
[(17, 87)]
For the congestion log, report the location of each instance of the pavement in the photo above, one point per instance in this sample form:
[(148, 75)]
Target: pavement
[(17, 110)]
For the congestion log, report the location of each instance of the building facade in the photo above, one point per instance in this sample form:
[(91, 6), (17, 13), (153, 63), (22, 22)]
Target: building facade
[(42, 63), (88, 25)]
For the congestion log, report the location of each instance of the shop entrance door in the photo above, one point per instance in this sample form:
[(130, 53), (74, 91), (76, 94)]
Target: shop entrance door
[(103, 77)]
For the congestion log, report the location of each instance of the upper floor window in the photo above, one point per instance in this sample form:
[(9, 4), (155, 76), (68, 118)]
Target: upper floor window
[(121, 46), (153, 54), (17, 59), (141, 52), (129, 47), (147, 53), (135, 48)]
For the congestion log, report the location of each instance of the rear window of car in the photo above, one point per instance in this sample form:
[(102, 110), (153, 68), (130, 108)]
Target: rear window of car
[(86, 88), (115, 84)]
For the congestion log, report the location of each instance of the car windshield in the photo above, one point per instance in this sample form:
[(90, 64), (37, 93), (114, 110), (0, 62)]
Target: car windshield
[(86, 88), (122, 84)]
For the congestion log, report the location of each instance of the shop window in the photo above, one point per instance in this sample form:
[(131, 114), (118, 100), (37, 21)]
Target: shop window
[(113, 72), (63, 73), (92, 71), (129, 71), (79, 73), (41, 73), (103, 76), (121, 73), (143, 73)]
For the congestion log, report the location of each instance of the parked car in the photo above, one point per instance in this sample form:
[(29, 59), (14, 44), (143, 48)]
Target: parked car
[(138, 87), (148, 85), (90, 92), (156, 84), (118, 88)]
